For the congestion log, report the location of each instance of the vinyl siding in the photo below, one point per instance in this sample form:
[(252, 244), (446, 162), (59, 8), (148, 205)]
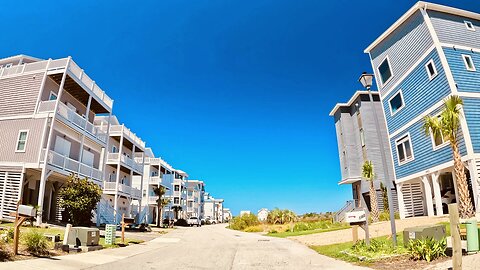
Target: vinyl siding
[(9, 130), (415, 88), (467, 81), (404, 47), (372, 141), (347, 141), (424, 155), (18, 94), (472, 115), (451, 29)]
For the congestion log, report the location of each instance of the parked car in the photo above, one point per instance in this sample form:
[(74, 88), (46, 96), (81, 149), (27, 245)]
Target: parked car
[(194, 221)]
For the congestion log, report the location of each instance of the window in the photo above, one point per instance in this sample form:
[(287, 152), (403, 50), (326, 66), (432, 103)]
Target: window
[(22, 140), (396, 103), (438, 140), (469, 25), (52, 96), (404, 149), (431, 69), (177, 188), (362, 137), (385, 71), (114, 149), (467, 59), (176, 200)]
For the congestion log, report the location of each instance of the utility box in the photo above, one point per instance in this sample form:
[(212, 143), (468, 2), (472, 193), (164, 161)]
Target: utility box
[(355, 216), (83, 236), (110, 234), (433, 231)]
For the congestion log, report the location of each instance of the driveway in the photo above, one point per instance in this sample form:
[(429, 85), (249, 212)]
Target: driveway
[(207, 247)]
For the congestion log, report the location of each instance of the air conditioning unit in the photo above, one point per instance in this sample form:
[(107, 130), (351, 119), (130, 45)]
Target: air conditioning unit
[(83, 236), (433, 231), (355, 216)]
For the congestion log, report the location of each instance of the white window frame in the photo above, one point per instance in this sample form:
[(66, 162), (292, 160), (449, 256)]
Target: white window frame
[(469, 25), (114, 149), (387, 58), (18, 141), (436, 147), (431, 76), (403, 138), (390, 105), (52, 94), (362, 137), (465, 57)]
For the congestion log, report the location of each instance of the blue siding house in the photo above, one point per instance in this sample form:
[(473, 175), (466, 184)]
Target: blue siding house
[(429, 54)]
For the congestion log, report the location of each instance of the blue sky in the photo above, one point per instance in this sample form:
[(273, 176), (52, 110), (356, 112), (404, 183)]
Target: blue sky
[(236, 93)]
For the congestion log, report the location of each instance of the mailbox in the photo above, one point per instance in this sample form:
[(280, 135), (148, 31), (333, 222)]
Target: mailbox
[(27, 211), (355, 216), (127, 220)]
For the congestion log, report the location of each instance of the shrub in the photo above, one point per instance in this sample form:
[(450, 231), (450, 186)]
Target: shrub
[(79, 197), (256, 228), (35, 242), (277, 216), (242, 222), (5, 255), (427, 249)]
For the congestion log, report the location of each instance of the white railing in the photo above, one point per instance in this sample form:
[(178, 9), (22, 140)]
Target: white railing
[(128, 133), (46, 106), (74, 118), (155, 180), (152, 199), (122, 188), (114, 157), (67, 164), (59, 64), (71, 117)]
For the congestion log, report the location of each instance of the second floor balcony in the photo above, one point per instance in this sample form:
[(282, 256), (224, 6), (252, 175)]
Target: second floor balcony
[(73, 119), (118, 130), (126, 190), (68, 165), (154, 180), (114, 158)]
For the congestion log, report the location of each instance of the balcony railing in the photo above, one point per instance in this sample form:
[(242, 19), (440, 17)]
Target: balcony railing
[(110, 187), (70, 117), (154, 180), (60, 64), (72, 166), (152, 199), (127, 132), (115, 157)]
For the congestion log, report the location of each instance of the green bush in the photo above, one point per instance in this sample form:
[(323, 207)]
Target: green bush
[(35, 242), (242, 222), (318, 225), (256, 228), (427, 249)]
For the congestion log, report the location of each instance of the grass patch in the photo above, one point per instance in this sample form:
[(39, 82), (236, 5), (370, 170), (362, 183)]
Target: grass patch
[(380, 247), (118, 242), (298, 233)]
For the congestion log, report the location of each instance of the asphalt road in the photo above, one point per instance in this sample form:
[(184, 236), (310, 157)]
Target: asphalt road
[(207, 247), (215, 247)]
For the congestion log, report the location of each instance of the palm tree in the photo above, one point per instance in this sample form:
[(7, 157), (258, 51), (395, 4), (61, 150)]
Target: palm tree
[(159, 191), (176, 209), (368, 174), (447, 125)]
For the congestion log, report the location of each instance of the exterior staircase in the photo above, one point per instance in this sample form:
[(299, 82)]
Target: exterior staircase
[(106, 213), (340, 215)]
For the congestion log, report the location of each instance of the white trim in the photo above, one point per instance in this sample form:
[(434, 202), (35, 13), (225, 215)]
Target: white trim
[(405, 137), (469, 57), (469, 25), (399, 108), (407, 73), (350, 101), (435, 72), (412, 10), (443, 144), (459, 47), (387, 58), (18, 141)]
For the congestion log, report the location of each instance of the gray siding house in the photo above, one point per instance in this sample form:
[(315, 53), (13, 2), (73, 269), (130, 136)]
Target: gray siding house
[(357, 142)]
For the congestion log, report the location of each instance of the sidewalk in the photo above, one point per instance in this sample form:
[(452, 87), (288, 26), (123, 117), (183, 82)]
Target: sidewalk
[(85, 260)]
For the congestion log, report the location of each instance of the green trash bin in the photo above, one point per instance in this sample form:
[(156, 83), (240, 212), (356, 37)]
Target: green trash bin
[(472, 236)]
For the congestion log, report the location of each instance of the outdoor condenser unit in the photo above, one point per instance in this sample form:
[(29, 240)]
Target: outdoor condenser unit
[(434, 231), (83, 236)]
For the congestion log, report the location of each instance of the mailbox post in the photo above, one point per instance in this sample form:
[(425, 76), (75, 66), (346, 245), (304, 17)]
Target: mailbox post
[(358, 219), (22, 213), (124, 223)]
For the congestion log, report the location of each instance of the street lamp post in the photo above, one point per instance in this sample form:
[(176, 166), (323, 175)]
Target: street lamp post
[(366, 81)]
